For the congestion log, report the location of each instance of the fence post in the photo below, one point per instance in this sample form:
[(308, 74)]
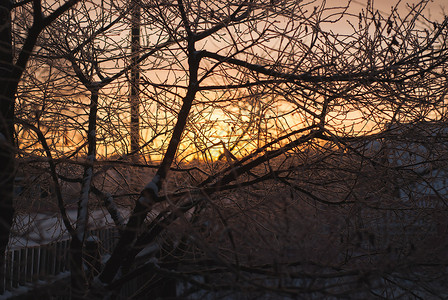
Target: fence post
[(15, 268), (43, 262), (29, 264), (67, 255), (57, 257), (63, 262), (22, 268), (8, 271), (35, 274), (51, 259)]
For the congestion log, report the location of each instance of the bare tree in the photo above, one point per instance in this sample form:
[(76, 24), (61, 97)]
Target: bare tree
[(303, 184), (12, 68)]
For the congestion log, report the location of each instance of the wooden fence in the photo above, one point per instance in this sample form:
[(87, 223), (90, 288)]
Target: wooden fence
[(26, 266)]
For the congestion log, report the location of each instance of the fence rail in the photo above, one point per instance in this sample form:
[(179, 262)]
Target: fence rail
[(28, 265)]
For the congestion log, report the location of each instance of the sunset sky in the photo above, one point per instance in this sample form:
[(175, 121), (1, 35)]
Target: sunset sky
[(219, 123)]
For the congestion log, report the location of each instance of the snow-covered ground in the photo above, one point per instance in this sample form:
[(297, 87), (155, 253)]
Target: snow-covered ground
[(22, 290), (41, 228)]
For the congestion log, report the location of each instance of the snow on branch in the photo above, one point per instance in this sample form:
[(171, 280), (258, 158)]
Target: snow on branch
[(81, 221), (113, 210), (152, 188)]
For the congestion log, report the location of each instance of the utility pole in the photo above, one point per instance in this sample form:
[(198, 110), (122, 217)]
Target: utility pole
[(135, 77)]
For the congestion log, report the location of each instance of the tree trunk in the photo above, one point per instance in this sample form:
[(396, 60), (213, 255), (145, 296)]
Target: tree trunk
[(79, 283), (7, 168)]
